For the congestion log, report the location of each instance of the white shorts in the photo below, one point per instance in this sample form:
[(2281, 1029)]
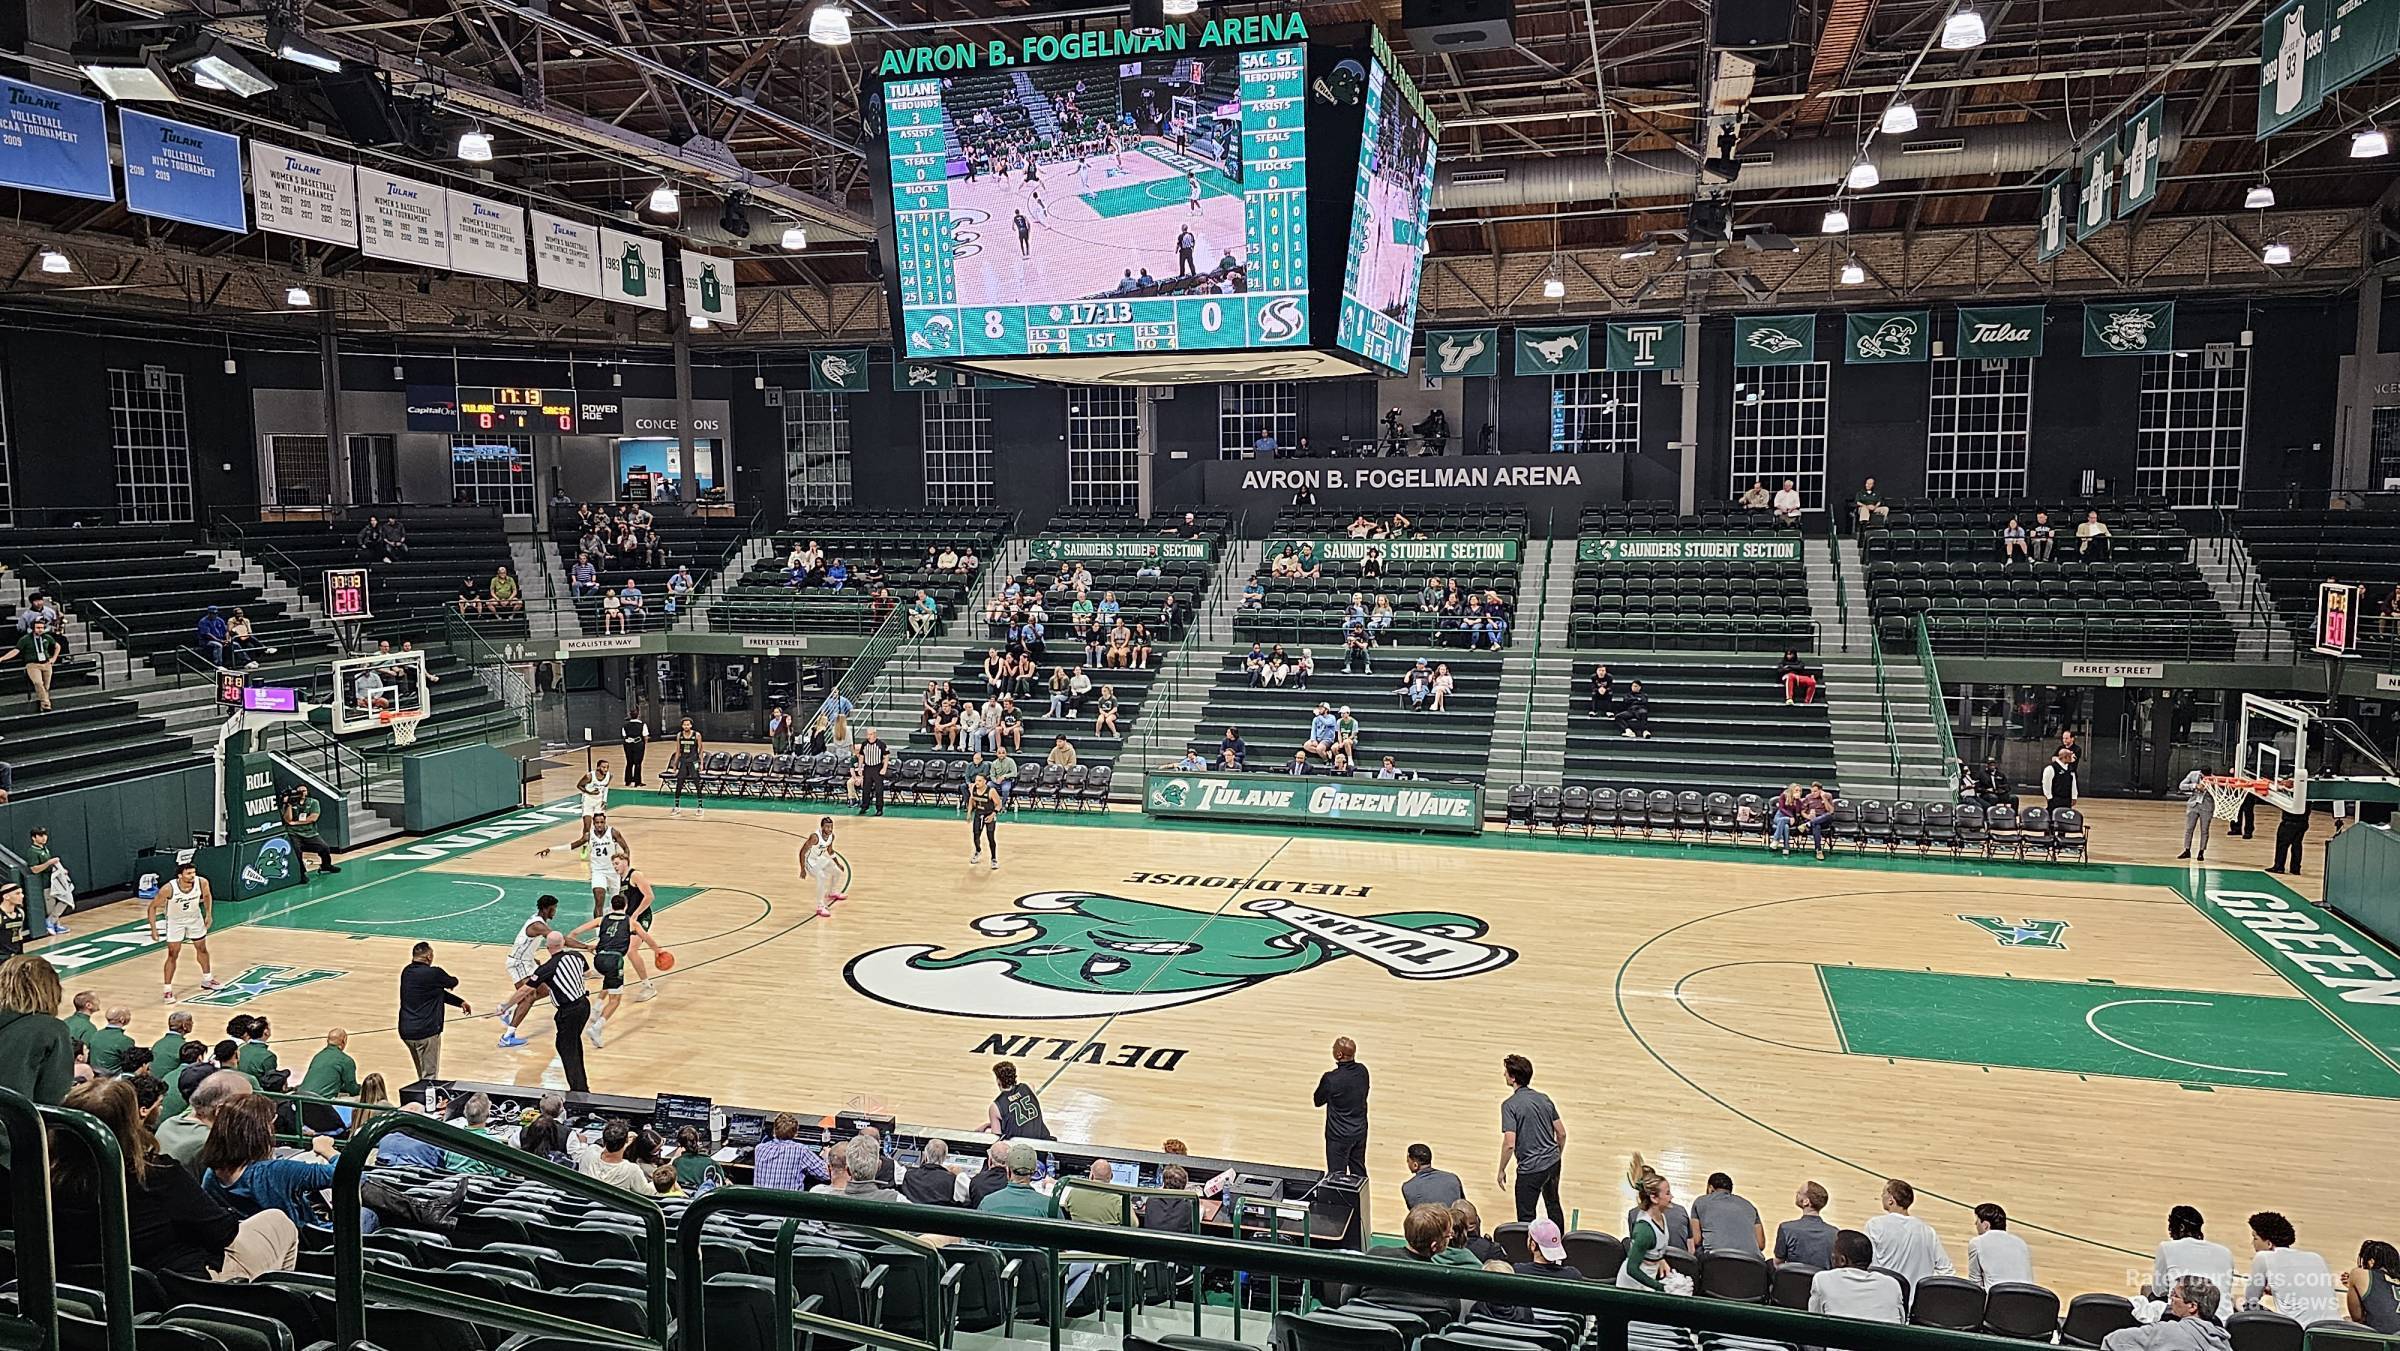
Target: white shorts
[(518, 971), (180, 932), (604, 879)]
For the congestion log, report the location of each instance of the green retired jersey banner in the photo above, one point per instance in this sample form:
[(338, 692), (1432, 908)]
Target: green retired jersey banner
[(2308, 50), (2129, 328), (1462, 549), (2096, 174), (1688, 549), (838, 372), (1890, 336), (2140, 145), (1070, 548), (1371, 804), (1562, 350), (1462, 352), (1646, 345), (1775, 340), (1999, 331), (2051, 221)]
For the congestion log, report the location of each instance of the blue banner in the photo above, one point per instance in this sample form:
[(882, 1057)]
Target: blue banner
[(54, 142), (181, 172)]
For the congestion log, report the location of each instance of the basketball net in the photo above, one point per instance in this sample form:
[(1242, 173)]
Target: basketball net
[(404, 727), (2230, 793)]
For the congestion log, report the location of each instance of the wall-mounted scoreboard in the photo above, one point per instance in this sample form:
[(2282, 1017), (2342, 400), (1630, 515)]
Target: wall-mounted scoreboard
[(518, 409)]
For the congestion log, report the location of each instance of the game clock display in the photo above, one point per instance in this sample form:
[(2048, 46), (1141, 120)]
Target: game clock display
[(1168, 210)]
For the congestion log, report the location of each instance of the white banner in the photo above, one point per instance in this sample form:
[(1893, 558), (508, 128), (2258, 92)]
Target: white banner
[(2112, 670), (487, 238), (305, 195), (708, 287), (404, 219), (566, 255), (633, 269)]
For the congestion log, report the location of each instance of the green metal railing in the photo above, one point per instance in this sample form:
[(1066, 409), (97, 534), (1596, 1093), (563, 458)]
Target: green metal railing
[(1841, 592), (1184, 664), (1937, 703), (36, 1252), (858, 680), (1541, 610), (1883, 702)]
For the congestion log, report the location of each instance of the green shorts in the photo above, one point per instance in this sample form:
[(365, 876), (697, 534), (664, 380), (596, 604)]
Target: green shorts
[(612, 969)]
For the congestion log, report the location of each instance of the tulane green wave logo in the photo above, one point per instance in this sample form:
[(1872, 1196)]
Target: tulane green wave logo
[(1077, 954)]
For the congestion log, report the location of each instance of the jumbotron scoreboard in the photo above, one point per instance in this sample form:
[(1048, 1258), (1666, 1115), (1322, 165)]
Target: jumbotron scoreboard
[(1112, 206)]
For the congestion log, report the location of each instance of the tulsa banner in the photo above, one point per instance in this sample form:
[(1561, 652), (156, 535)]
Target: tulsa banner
[(1384, 804)]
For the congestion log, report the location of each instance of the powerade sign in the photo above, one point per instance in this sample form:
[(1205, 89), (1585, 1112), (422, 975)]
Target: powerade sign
[(1112, 43), (1067, 549), (1687, 549), (1462, 550), (1370, 804)]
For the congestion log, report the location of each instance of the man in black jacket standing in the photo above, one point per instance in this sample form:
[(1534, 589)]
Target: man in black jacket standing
[(636, 735), (425, 999), (1342, 1092)]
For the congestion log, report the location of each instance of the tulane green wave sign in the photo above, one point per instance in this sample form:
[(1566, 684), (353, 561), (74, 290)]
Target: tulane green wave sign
[(1370, 804), (1460, 549)]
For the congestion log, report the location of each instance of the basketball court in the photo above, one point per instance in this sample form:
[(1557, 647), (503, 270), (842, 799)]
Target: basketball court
[(1094, 225), (2084, 1044)]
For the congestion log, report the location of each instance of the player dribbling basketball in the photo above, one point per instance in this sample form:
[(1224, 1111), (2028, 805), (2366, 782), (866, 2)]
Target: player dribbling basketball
[(817, 863)]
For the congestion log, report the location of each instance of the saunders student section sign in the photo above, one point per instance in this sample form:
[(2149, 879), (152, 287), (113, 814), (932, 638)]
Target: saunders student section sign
[(1365, 804)]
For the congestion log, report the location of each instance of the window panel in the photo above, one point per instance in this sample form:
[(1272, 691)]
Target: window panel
[(816, 449), (2193, 428), (153, 445), (493, 471), (1596, 411), (1247, 411), (1104, 434), (1980, 429), (1781, 434), (957, 425)]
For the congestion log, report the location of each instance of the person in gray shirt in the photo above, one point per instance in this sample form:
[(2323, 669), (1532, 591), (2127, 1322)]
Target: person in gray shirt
[(1678, 1225), (1427, 1185), (1807, 1239), (1532, 1131), (1723, 1221)]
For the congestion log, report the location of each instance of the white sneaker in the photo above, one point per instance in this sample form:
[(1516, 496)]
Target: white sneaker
[(208, 982), (977, 857), (674, 811), (593, 1032), (995, 865), (170, 994), (647, 993), (1628, 734)]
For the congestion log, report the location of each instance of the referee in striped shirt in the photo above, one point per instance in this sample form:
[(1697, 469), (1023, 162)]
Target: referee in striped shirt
[(562, 974)]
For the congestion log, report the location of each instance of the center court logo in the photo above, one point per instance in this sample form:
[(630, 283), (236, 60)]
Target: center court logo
[(1074, 954)]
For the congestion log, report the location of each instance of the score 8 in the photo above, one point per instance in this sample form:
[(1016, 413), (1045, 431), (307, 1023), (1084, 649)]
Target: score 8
[(993, 325)]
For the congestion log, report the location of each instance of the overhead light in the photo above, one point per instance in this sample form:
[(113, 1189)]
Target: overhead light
[(699, 322), (2260, 197), (663, 201), (232, 367), (1899, 118), (1863, 175), (829, 26), (1148, 19), (795, 237), (2276, 254), (296, 297), (1182, 9), (734, 220), (399, 372), (296, 48), (1553, 288), (2369, 144), (475, 145), (214, 65), (1852, 273), (1962, 30), (1837, 221), (142, 77), (54, 261), (1645, 249)]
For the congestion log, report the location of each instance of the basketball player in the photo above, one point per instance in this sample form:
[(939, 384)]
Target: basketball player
[(817, 864), (614, 935), (189, 908), (688, 749), (638, 897), (1083, 172), (594, 786), (607, 850), (524, 955), (983, 819), (1192, 180)]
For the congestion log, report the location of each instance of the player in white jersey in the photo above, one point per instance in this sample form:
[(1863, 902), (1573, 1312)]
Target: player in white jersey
[(817, 864), (593, 788), (608, 851), (189, 908), (526, 953)]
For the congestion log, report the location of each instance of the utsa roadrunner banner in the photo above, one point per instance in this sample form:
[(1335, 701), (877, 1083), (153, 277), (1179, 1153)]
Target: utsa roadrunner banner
[(1388, 804), (1068, 548), (1462, 549), (1775, 340)]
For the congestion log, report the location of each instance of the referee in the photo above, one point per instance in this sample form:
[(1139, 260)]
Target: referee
[(562, 974), (871, 755)]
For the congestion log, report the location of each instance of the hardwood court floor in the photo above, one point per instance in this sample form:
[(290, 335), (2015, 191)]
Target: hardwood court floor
[(2085, 1045), (1092, 228)]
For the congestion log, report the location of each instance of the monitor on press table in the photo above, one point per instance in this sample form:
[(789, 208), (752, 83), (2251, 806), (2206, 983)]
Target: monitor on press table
[(677, 1110)]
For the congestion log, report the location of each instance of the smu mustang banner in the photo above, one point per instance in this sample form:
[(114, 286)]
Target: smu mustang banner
[(1462, 351), (1562, 350), (1068, 548), (179, 172), (1870, 339), (1999, 331), (54, 142), (1775, 340), (1385, 804), (1688, 549), (1463, 549), (1646, 345), (2129, 328)]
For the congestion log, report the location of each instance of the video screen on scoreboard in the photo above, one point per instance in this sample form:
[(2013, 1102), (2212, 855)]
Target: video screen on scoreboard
[(1120, 206), (1392, 204)]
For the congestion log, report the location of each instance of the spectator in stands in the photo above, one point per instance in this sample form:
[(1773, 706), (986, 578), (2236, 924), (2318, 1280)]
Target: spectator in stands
[(1142, 649), (2190, 1325), (1379, 622), (40, 650), (1416, 687), (1058, 692), (470, 596), (854, 1164), (1604, 687), (211, 638), (1995, 1255), (631, 610), (2367, 1288), (1633, 716), (2044, 540), (1806, 1237), (1426, 1230), (1345, 733), (1429, 596), (1254, 593), (1903, 1243), (783, 1160), (679, 590), (1987, 786), (1723, 1220), (1427, 1185), (1341, 768), (174, 1225), (1851, 1289), (1062, 753), (2301, 1283), (2012, 542), (242, 647), (1756, 497), (1276, 669), (2058, 780), (2187, 1251), (1787, 503), (241, 1171), (370, 541), (1871, 510), (971, 728), (41, 606), (1297, 767), (1796, 678), (2092, 537), (1370, 564), (1008, 732), (1232, 746), (923, 612), (1324, 729), (1104, 717), (1191, 762), (1079, 688), (502, 594), (1358, 654), (837, 575), (1390, 769), (584, 579), (930, 1181), (1816, 813), (606, 1161), (1647, 1236), (395, 540)]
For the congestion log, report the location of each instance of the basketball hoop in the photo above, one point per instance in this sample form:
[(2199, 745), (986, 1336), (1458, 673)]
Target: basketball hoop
[(403, 726), (2231, 791)]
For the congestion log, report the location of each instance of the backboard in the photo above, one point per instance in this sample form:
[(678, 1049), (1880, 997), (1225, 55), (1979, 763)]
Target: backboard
[(2273, 746), (377, 689)]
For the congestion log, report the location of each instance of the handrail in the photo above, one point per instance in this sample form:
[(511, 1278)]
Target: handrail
[(29, 1208), (1541, 611), (339, 754), (858, 680), (1933, 694), (116, 1227), (1883, 701), (1174, 665), (1841, 592), (353, 1283)]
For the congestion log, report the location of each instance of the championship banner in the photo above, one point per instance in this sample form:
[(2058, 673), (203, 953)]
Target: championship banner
[(1999, 331), (1462, 351), (708, 287), (1563, 350), (2098, 169), (2129, 328), (179, 172), (1369, 804), (487, 238), (2141, 144), (1886, 338), (304, 195), (403, 219), (54, 142), (1775, 340), (1688, 549), (838, 372), (2050, 223), (1464, 549), (1096, 549), (566, 255), (632, 269), (1654, 345)]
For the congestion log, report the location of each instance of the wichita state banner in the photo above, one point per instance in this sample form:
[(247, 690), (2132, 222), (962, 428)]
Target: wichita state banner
[(1999, 331), (1875, 338), (1646, 345), (1562, 350), (1775, 340), (2129, 328), (1462, 352)]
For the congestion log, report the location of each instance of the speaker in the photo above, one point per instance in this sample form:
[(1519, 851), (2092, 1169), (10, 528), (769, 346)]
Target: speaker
[(1458, 25), (1742, 25), (363, 106)]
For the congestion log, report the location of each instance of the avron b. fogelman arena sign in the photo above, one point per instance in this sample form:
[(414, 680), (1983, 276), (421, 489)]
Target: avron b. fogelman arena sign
[(1043, 48)]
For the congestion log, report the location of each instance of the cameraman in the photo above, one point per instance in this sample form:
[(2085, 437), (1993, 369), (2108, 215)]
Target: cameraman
[(300, 813)]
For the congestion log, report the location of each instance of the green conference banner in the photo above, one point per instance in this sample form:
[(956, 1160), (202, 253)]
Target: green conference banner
[(1775, 340), (1098, 549), (1999, 331), (2050, 223), (1458, 549), (1561, 349), (1462, 352), (1688, 549), (1350, 803), (2141, 145), (1646, 345), (838, 371), (2129, 328), (2098, 172), (2308, 50), (1886, 337)]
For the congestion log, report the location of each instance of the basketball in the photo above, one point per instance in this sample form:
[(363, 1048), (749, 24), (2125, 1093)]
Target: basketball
[(666, 960)]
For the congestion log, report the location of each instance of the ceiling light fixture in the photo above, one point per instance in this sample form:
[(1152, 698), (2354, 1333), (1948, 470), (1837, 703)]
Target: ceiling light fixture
[(795, 237), (130, 77), (2260, 197), (54, 261), (2369, 144), (1863, 175), (1182, 9), (1963, 30), (1852, 273), (1553, 288), (1900, 118), (1837, 221), (475, 145), (1645, 249), (663, 201), (2276, 254), (1148, 19), (296, 297), (829, 25), (295, 47), (217, 66), (699, 322)]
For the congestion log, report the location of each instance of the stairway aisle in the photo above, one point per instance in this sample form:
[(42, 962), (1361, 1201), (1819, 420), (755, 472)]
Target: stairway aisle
[(893, 700), (1179, 692), (542, 577), (1846, 656), (2259, 633), (1529, 736)]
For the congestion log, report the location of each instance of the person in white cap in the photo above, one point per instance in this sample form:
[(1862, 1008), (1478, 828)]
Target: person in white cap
[(1549, 1252)]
